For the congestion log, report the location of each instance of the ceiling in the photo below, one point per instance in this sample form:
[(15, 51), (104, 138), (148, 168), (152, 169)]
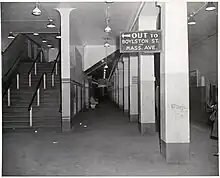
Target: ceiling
[(206, 22), (87, 21)]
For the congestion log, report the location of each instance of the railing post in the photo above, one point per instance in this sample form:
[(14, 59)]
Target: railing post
[(31, 116), (29, 80), (44, 81), (56, 68), (35, 68), (18, 81), (52, 79), (38, 97), (9, 98)]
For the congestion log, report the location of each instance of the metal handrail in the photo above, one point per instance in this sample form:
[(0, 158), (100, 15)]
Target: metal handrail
[(10, 83), (13, 75), (55, 64), (35, 93), (52, 75), (11, 44), (14, 62), (34, 62)]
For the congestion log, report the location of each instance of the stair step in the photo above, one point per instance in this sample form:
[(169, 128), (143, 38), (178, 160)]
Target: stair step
[(16, 124)]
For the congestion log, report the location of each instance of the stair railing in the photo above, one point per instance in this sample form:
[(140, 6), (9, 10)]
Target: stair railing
[(36, 94), (34, 65), (10, 63), (8, 83), (55, 67), (52, 75)]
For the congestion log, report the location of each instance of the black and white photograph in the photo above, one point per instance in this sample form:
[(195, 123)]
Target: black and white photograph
[(109, 88)]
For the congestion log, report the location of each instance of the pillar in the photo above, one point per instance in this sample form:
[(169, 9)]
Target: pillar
[(116, 86), (120, 84), (87, 94), (126, 70), (133, 115), (65, 68), (174, 81), (79, 97), (146, 121)]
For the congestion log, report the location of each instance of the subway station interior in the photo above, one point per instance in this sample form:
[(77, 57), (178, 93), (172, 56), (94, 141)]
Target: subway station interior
[(82, 96)]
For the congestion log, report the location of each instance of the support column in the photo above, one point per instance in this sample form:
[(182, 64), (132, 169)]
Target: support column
[(146, 121), (79, 97), (126, 70), (116, 86), (65, 67), (174, 100), (133, 87), (120, 84)]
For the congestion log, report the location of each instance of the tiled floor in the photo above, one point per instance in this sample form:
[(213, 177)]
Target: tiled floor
[(109, 145)]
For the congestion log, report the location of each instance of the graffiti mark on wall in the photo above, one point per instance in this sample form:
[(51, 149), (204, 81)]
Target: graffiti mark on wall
[(179, 110)]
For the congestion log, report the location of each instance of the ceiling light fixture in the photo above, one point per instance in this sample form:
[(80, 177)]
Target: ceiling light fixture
[(191, 20), (58, 36), (44, 41), (109, 2), (36, 34), (50, 24), (106, 66), (210, 6), (10, 35), (108, 29), (49, 45), (106, 44), (36, 11)]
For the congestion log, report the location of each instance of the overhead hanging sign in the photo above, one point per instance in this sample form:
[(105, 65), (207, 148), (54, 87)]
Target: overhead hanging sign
[(148, 41), (102, 83)]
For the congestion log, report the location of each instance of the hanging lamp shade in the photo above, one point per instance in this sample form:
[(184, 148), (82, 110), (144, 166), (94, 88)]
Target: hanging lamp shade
[(108, 29), (58, 36), (10, 35), (36, 11), (106, 66), (191, 21), (210, 6), (50, 24), (106, 44), (35, 34)]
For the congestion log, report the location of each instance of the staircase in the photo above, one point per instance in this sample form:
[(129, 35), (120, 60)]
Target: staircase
[(46, 115)]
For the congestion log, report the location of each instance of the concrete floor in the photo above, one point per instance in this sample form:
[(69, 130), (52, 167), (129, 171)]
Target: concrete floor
[(110, 145)]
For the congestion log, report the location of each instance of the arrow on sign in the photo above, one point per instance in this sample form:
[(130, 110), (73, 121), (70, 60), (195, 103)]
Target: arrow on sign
[(126, 35)]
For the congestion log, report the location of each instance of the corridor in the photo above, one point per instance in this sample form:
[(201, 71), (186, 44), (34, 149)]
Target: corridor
[(105, 143)]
